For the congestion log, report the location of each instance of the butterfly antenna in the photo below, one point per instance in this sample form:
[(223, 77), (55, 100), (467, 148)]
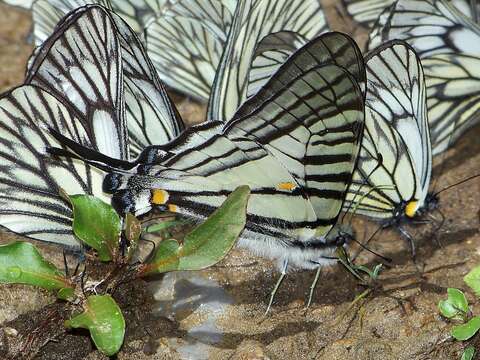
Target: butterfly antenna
[(456, 184), (76, 268), (384, 258)]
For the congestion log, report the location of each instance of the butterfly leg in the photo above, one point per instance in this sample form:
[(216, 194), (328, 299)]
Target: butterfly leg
[(313, 286), (277, 285), (65, 264), (411, 242)]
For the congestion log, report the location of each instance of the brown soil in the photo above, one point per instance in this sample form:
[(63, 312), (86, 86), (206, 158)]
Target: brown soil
[(398, 320)]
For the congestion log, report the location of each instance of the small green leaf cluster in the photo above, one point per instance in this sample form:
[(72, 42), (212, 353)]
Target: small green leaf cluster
[(96, 224), (456, 308)]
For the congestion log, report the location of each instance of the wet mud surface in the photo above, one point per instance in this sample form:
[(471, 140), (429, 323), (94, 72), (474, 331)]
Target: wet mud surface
[(218, 313)]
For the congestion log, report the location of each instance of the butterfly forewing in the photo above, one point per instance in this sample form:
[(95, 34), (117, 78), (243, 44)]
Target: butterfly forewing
[(395, 160), (151, 116), (186, 41), (81, 61)]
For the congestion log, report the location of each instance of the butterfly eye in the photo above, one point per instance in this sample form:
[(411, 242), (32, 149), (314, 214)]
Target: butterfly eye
[(143, 169), (111, 183)]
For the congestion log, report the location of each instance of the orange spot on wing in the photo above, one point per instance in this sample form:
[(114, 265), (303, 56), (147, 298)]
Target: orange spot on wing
[(289, 186), (159, 197)]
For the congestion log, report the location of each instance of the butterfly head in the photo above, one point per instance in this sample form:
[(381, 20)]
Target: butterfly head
[(340, 235), (415, 208)]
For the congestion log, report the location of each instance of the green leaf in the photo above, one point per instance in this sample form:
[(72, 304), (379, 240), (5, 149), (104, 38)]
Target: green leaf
[(472, 279), (21, 263), (457, 299), (466, 331), (449, 311), (164, 225), (104, 319), (208, 243), (468, 353), (97, 224), (66, 294)]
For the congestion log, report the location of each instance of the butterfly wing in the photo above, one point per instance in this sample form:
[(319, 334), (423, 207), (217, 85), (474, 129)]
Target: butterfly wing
[(30, 179), (253, 20), (365, 12), (81, 62), (150, 115), (394, 166), (309, 116), (47, 14), (447, 42), (186, 41), (270, 53)]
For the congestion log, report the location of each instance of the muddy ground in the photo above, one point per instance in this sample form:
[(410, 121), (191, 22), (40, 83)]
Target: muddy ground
[(218, 313)]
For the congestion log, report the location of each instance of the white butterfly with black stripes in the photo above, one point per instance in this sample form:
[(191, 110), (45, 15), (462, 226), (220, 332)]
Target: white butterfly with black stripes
[(392, 177), (447, 43), (294, 143), (75, 85)]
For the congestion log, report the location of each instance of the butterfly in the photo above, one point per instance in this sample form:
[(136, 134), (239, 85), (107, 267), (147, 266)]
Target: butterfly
[(295, 143), (77, 84), (447, 43), (392, 177)]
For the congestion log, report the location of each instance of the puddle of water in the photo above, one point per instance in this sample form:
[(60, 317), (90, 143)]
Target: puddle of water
[(197, 303)]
